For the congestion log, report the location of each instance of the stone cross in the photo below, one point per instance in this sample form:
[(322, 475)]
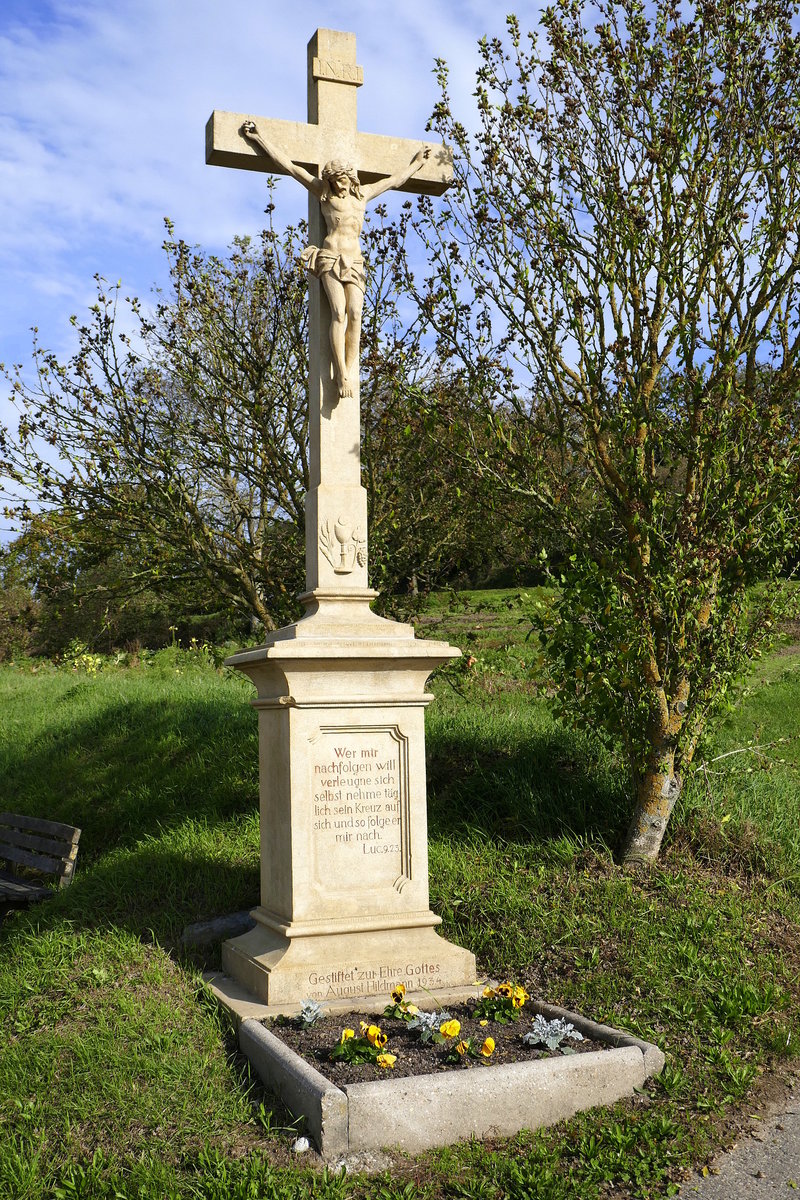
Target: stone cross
[(345, 906), (336, 504)]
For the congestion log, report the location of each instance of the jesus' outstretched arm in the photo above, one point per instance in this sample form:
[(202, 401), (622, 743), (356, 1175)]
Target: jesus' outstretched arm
[(314, 185), (370, 191)]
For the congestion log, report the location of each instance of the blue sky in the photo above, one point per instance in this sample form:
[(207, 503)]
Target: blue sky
[(102, 115)]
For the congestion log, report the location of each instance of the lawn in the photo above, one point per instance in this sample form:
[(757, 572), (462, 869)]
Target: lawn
[(117, 1078)]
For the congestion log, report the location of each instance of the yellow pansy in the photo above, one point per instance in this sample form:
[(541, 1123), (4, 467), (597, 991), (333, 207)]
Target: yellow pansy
[(519, 996), (375, 1037), (386, 1060), (346, 1035), (462, 1048), (488, 992), (505, 989), (398, 993), (483, 1022), (488, 1047), (412, 1008), (450, 1029)]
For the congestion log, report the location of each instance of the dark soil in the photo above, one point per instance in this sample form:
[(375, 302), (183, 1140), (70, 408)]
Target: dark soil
[(413, 1056)]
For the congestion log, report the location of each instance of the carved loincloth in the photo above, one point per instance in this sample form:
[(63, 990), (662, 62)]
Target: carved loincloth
[(325, 262)]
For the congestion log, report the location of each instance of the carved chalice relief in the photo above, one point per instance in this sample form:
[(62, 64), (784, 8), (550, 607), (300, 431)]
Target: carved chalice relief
[(344, 546), (338, 262)]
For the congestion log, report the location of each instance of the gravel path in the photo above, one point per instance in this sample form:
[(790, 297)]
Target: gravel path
[(765, 1162)]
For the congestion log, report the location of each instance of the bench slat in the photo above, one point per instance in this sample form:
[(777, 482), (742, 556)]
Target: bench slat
[(48, 847), (34, 841), (39, 825), (19, 890), (40, 862)]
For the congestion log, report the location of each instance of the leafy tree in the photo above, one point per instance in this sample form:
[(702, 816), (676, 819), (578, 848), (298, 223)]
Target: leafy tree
[(187, 435), (618, 261), (432, 517), (69, 585), (19, 609)]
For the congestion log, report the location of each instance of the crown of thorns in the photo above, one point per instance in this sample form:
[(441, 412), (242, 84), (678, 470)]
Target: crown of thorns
[(336, 167)]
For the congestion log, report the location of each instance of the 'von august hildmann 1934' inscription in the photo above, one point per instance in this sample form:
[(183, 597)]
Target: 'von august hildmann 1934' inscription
[(356, 796), (376, 980)]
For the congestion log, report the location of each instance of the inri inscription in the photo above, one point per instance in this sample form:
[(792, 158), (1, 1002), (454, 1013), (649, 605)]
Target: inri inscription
[(359, 796)]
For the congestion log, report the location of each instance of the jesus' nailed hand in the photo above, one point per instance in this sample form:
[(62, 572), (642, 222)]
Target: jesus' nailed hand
[(338, 262)]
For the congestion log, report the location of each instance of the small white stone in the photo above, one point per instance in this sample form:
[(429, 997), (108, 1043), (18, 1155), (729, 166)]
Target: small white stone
[(301, 1145)]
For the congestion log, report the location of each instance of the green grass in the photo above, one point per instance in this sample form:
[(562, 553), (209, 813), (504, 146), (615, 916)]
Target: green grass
[(116, 1076), (747, 789)]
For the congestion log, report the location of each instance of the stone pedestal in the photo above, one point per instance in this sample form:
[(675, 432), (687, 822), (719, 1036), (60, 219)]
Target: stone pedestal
[(344, 861)]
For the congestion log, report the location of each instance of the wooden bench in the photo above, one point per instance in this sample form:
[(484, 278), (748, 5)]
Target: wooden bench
[(34, 850)]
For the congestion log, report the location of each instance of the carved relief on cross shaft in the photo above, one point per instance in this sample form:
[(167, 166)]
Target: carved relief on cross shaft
[(344, 546)]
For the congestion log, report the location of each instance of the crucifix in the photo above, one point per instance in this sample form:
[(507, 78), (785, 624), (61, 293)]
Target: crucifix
[(342, 170), (344, 907)]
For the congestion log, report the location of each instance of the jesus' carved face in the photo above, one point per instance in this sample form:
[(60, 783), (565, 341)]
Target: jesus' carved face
[(341, 178)]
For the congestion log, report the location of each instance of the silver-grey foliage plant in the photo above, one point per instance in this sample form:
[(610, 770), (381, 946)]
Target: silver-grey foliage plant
[(310, 1012), (551, 1033), (427, 1024)]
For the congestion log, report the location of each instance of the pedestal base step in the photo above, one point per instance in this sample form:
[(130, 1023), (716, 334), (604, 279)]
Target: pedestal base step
[(241, 1005), (348, 968)]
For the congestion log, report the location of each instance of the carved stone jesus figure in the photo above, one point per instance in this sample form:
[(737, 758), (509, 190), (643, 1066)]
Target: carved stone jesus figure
[(338, 262)]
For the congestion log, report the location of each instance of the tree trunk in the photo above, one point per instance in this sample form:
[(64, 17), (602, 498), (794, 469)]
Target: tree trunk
[(658, 790)]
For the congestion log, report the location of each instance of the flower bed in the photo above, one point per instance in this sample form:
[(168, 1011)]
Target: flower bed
[(432, 1094), (352, 1048)]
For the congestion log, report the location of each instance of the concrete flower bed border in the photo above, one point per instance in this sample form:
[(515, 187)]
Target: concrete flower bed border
[(417, 1112)]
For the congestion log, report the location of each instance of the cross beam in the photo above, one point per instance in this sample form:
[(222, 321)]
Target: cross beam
[(375, 155)]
